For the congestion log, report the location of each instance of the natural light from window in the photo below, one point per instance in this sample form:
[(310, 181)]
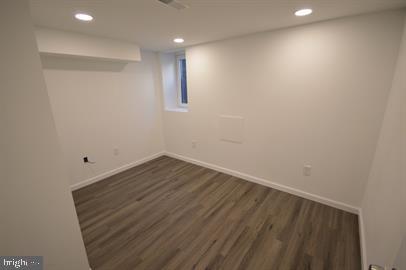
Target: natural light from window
[(182, 80)]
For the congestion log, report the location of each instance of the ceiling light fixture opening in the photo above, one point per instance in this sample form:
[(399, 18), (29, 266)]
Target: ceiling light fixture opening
[(303, 12), (178, 40), (84, 17)]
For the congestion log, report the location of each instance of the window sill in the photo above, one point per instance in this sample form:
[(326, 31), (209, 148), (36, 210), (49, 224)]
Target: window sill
[(176, 109)]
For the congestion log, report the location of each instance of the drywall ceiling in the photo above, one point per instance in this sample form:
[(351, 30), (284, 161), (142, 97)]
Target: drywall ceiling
[(153, 25)]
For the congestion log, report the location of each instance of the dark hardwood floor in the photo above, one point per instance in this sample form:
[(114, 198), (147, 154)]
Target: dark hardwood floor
[(169, 214)]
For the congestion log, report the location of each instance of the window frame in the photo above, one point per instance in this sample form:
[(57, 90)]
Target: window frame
[(179, 57)]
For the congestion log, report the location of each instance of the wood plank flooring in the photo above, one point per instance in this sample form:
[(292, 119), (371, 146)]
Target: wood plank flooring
[(169, 214)]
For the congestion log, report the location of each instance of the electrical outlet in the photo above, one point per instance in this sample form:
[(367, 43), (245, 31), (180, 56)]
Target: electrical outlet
[(87, 161), (194, 144), (116, 151), (307, 170)]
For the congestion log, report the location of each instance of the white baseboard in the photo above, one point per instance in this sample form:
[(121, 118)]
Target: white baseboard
[(254, 179), (114, 171), (264, 182), (362, 240)]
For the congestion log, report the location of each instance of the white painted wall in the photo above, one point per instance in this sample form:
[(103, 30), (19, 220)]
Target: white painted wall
[(310, 94), (100, 106), (384, 204), (38, 215), (65, 43)]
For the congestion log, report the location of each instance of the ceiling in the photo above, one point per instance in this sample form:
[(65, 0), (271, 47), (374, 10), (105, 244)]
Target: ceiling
[(153, 25)]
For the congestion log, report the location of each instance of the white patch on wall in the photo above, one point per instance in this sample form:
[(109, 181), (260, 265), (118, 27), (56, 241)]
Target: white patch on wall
[(231, 128)]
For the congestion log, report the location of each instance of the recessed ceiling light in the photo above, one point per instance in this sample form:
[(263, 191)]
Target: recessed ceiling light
[(178, 40), (303, 12), (83, 17)]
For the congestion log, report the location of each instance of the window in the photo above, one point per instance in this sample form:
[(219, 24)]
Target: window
[(182, 80)]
